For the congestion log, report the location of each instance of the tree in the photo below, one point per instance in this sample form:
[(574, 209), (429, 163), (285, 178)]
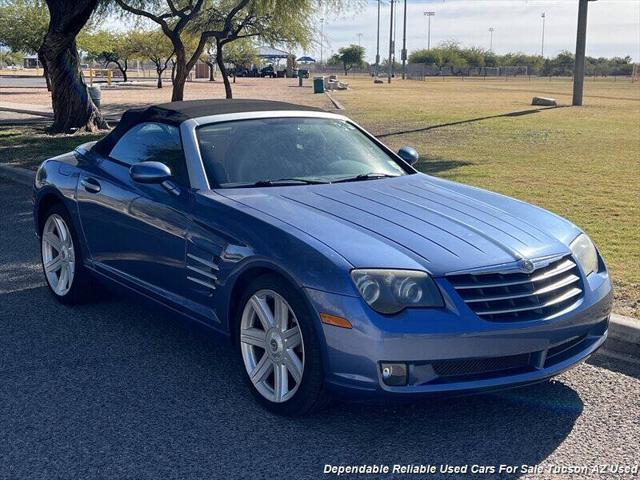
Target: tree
[(23, 25), (223, 21), (351, 56), (11, 58), (428, 57), (241, 53), (72, 106), (474, 56), (155, 47), (174, 16), (561, 65), (109, 47), (210, 60)]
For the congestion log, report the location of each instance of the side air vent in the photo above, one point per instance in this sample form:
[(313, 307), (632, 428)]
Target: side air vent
[(202, 272)]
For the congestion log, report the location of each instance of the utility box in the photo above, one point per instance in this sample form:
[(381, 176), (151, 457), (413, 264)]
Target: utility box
[(318, 84)]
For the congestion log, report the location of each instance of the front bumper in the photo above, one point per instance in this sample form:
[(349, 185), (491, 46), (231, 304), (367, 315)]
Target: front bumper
[(453, 350)]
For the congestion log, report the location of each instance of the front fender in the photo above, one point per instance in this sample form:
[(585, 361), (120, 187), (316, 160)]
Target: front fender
[(56, 181)]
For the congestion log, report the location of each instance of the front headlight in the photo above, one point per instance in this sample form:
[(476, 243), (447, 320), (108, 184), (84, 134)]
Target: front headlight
[(584, 251), (390, 291)]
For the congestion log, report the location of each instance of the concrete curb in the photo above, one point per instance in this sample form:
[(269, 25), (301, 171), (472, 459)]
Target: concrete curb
[(624, 332), (336, 103), (27, 111), (624, 335)]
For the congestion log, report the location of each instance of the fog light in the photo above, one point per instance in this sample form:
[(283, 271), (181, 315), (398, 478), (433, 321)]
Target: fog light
[(394, 374)]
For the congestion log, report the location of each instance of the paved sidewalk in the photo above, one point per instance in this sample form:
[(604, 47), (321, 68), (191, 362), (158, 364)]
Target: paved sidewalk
[(14, 112), (26, 108)]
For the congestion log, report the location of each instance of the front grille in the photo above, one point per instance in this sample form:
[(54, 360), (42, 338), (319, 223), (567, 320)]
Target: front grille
[(504, 297), (480, 366)]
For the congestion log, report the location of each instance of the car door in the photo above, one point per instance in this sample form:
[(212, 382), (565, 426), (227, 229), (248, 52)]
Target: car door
[(136, 232)]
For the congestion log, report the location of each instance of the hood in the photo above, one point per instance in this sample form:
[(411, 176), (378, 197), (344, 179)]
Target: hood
[(414, 221)]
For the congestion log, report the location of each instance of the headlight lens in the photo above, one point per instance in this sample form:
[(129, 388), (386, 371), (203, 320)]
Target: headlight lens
[(390, 291), (584, 251)]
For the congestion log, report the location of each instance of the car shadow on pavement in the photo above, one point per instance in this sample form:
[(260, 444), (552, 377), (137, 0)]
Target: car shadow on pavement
[(626, 365), (121, 389)]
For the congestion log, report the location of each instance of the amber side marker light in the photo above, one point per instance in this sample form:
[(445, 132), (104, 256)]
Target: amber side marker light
[(335, 320)]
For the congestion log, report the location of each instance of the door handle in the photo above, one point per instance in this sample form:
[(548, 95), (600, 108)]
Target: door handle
[(90, 185)]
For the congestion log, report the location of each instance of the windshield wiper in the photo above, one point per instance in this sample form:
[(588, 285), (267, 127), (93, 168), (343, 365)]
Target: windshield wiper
[(365, 176), (285, 181)]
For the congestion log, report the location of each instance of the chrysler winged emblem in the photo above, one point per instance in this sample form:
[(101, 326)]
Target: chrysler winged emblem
[(527, 265)]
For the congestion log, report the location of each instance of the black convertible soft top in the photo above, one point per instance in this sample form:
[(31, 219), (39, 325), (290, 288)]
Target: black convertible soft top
[(174, 113)]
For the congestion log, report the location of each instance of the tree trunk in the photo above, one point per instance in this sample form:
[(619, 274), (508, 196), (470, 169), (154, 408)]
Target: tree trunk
[(45, 74), (124, 69), (180, 73), (72, 106), (223, 70), (159, 77), (211, 73)]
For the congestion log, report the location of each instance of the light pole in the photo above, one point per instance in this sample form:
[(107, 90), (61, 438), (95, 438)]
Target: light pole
[(359, 39), (321, 41), (404, 43), (544, 16), (390, 66), (581, 45), (491, 30), (378, 43), (429, 15)]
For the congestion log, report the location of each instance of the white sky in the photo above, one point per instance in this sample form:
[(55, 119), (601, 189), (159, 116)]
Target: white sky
[(613, 26)]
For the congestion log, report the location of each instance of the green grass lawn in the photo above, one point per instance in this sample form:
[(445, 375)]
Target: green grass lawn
[(27, 147), (581, 163)]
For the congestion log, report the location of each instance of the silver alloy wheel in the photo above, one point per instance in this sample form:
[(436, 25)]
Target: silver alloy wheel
[(272, 346), (58, 255)]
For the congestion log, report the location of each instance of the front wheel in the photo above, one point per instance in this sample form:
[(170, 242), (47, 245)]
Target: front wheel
[(62, 261), (279, 348)]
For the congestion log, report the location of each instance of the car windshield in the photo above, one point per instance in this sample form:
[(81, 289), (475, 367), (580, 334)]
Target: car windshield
[(291, 151)]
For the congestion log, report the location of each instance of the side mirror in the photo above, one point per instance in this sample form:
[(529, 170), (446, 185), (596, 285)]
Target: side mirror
[(150, 172), (409, 155)]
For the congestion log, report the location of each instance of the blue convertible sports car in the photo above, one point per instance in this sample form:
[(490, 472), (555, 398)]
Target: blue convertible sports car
[(331, 264)]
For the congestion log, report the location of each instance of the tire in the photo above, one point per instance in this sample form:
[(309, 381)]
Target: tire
[(271, 352), (57, 230)]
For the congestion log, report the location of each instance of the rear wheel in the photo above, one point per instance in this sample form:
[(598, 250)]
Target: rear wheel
[(62, 259), (279, 348)]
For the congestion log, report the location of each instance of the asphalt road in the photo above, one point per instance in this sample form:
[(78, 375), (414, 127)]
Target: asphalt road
[(22, 81), (119, 390)]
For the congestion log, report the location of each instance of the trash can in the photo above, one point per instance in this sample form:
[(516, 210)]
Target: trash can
[(96, 95), (318, 84)]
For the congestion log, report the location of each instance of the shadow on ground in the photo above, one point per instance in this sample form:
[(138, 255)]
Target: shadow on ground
[(519, 113), (436, 165)]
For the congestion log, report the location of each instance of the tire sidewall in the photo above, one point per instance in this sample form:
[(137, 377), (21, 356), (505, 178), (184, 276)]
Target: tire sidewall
[(311, 389)]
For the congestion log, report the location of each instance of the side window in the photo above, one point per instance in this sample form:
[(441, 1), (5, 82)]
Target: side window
[(156, 142)]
